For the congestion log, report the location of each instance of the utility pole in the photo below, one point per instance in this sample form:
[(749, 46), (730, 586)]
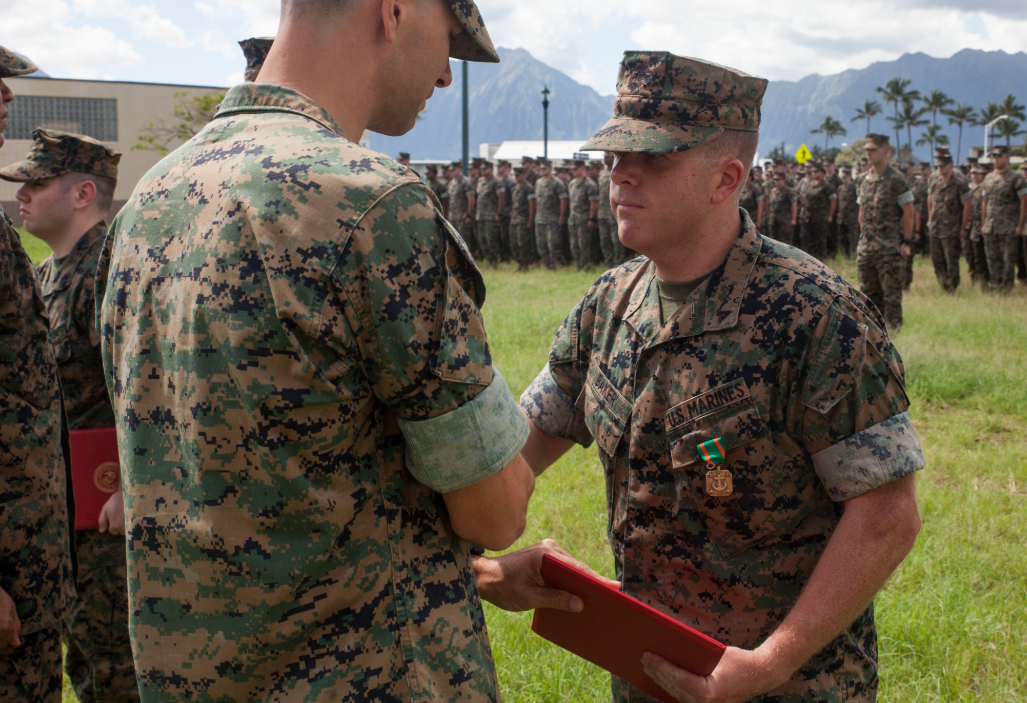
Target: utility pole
[(467, 124), (545, 121), (987, 132)]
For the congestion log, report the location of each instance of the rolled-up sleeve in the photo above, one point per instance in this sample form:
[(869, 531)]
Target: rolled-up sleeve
[(469, 444), (553, 411)]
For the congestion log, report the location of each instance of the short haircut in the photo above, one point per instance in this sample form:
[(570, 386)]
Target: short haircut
[(322, 8), (733, 143), (105, 186)]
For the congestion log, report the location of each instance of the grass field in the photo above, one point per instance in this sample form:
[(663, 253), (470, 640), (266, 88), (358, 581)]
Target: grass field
[(953, 619)]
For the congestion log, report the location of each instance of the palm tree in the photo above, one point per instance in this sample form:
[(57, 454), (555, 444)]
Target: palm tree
[(870, 109), (830, 128), (988, 114), (1014, 112), (909, 118), (932, 136), (1008, 129), (935, 103), (960, 115), (897, 91)]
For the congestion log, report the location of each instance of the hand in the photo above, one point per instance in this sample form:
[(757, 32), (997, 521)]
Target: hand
[(9, 623), (497, 218), (905, 251), (531, 224), (916, 237), (561, 221), (741, 674), (793, 223), (1018, 231), (467, 218), (514, 581), (112, 515)]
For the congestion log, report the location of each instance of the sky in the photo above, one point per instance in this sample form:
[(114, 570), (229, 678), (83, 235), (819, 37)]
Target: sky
[(194, 42)]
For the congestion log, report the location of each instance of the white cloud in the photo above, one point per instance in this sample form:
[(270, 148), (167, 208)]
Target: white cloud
[(144, 20), (41, 30), (250, 18)]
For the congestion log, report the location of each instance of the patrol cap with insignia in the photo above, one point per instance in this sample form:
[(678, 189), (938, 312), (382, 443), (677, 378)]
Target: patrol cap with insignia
[(502, 163), (56, 153), (256, 50), (667, 103), (876, 141), (943, 159), (577, 162), (13, 65), (474, 42), (403, 156), (527, 160), (520, 170), (999, 151), (544, 162)]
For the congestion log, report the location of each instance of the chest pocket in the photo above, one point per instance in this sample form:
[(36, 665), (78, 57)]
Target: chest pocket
[(606, 411), (754, 512)]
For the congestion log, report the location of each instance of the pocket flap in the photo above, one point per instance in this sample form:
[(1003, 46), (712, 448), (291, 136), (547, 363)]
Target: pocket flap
[(606, 411), (736, 424)]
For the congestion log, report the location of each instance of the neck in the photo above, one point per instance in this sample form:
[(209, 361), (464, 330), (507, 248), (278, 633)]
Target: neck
[(298, 60), (1000, 170), (702, 250), (62, 243), (880, 168)]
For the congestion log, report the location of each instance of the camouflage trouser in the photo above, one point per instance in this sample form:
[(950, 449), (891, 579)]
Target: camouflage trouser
[(813, 238), (1021, 258), (831, 240), (1000, 251), (848, 239), (609, 242), (581, 250), (880, 279), (468, 233), (504, 239), (564, 243), (945, 255), (99, 657), (977, 259), (489, 241), (31, 673), (782, 231), (522, 243), (907, 262), (547, 240)]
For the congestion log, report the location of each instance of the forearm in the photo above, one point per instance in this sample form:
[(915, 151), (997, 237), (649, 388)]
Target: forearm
[(871, 540), (543, 450), (593, 211), (907, 223), (984, 211)]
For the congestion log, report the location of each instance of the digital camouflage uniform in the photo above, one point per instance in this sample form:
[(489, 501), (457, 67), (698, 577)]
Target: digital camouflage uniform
[(792, 369), (1003, 192), (779, 216), (978, 260), (288, 328), (750, 199), (486, 204), (256, 50), (548, 194), (879, 261), (773, 354), (460, 187), (36, 564), (521, 238), (507, 185), (582, 192), (609, 241), (947, 199), (814, 207), (922, 244), (847, 217), (440, 188)]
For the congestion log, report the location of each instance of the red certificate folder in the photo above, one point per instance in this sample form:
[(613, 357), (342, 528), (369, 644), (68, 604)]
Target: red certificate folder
[(614, 630), (95, 473)]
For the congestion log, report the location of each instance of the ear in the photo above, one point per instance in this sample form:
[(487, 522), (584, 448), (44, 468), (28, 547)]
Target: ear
[(730, 174), (83, 195), (391, 13)]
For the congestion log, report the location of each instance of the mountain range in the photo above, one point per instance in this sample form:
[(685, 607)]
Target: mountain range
[(505, 102)]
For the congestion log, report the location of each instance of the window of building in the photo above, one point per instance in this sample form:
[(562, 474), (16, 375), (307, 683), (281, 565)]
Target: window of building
[(93, 117)]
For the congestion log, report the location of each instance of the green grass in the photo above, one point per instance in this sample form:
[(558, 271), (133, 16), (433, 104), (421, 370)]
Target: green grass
[(953, 619), (35, 248)]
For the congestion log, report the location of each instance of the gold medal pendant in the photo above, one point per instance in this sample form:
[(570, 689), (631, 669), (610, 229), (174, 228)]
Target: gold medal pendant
[(719, 483)]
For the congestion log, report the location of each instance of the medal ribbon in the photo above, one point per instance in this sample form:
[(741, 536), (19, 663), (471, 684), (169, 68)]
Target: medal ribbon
[(712, 451)]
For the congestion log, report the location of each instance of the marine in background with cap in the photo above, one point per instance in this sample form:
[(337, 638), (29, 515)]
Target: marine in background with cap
[(548, 214), (724, 334), (490, 198), (783, 210), (504, 173), (461, 205), (974, 242), (522, 235), (255, 49), (886, 221), (37, 586), (583, 194), (817, 204), (68, 188), (438, 186), (848, 214), (948, 212), (609, 242), (918, 180), (1003, 211), (311, 425)]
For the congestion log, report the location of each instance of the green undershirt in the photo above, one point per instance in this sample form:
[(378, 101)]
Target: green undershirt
[(672, 295)]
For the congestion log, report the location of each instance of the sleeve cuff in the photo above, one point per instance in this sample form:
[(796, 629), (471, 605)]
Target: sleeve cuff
[(1022, 192), (469, 444), (553, 411), (905, 198), (871, 458)]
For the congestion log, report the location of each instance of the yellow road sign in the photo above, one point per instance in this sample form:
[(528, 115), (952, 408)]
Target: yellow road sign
[(803, 155)]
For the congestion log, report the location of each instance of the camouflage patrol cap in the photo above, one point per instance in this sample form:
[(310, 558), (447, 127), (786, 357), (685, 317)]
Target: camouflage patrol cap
[(667, 103), (56, 153), (502, 163), (520, 170), (544, 162), (575, 163), (979, 169), (943, 159), (256, 50), (13, 65), (403, 156), (999, 151), (527, 160), (779, 175), (474, 42), (876, 141)]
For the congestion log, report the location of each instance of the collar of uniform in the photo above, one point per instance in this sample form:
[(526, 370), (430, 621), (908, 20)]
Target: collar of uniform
[(874, 175), (55, 276), (720, 295), (265, 97)]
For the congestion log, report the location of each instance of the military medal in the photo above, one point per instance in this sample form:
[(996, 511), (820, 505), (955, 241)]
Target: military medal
[(719, 483)]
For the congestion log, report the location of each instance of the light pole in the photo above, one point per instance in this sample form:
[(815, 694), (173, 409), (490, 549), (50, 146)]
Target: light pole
[(467, 124), (545, 121), (987, 132)]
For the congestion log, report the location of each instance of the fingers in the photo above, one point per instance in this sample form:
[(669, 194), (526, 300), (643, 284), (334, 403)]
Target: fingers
[(672, 679), (104, 521), (557, 600), (563, 556)]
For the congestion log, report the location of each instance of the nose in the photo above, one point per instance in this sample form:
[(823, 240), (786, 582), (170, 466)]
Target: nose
[(6, 94), (22, 196), (625, 170), (446, 79)]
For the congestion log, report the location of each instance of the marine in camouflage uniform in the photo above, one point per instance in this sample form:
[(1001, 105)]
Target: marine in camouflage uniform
[(438, 187), (817, 203), (773, 354), (583, 194), (36, 509), (976, 257), (289, 326), (1004, 205), (886, 223), (921, 230), (848, 215), (99, 653), (949, 211), (522, 235), (461, 202), (256, 50), (752, 199), (488, 202), (783, 205), (609, 242), (550, 211), (507, 183)]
